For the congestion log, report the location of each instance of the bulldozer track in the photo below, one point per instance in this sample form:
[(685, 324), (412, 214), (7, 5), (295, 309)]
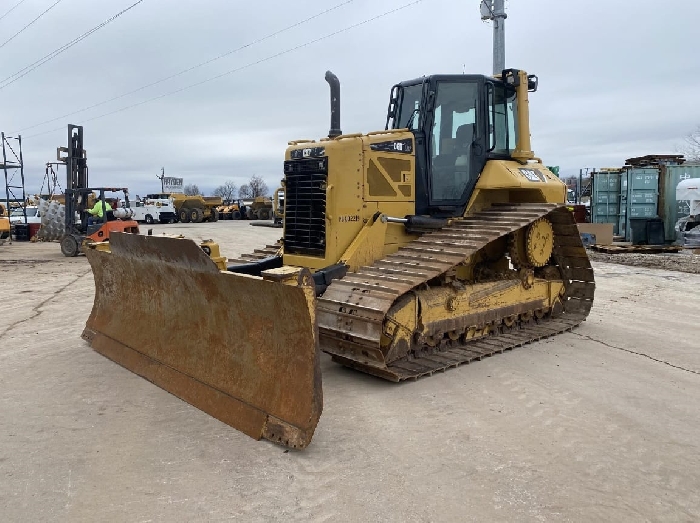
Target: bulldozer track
[(352, 311)]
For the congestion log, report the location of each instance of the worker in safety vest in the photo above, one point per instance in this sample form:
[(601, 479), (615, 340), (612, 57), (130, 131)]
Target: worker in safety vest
[(98, 211)]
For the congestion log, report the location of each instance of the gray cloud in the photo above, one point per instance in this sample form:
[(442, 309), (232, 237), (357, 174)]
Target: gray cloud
[(615, 79)]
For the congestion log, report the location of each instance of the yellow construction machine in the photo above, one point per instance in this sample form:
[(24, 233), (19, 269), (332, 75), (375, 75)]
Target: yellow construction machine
[(4, 224), (437, 241), (196, 208)]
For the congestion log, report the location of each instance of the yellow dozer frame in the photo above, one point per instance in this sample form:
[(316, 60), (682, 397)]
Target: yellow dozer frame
[(437, 241)]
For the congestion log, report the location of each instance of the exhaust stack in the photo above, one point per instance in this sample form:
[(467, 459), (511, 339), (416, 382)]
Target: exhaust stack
[(335, 104)]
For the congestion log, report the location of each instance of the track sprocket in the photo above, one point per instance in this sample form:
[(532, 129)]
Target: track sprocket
[(539, 242)]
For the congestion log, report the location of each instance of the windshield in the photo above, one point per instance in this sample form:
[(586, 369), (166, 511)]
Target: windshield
[(31, 212), (453, 132)]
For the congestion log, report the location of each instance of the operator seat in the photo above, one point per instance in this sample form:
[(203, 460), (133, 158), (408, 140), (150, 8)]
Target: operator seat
[(451, 168), (463, 149), (463, 139)]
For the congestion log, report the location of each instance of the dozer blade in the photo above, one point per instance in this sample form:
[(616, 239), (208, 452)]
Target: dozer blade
[(243, 349)]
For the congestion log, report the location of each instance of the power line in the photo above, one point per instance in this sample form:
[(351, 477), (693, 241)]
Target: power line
[(53, 54), (201, 64), (251, 64), (12, 8), (29, 24)]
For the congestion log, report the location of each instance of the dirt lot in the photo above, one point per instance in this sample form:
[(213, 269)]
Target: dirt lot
[(600, 424), (683, 261)]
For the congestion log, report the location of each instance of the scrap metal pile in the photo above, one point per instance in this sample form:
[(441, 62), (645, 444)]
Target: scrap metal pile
[(53, 220)]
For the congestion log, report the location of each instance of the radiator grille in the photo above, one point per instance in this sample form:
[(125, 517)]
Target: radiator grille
[(305, 206)]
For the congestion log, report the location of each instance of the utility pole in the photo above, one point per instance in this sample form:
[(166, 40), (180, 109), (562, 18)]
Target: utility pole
[(499, 36), (495, 11)]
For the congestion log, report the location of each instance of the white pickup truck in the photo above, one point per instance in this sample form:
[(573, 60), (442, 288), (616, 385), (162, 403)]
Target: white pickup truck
[(32, 211), (152, 210)]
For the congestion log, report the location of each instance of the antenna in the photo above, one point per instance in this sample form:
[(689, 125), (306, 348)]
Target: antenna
[(486, 9)]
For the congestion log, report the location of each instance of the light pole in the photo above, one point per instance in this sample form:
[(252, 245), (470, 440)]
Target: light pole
[(161, 178), (495, 11)]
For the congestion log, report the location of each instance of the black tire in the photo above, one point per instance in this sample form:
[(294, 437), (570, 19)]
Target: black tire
[(149, 219), (251, 214), (263, 214), (196, 215), (236, 215), (214, 215), (184, 215), (70, 247)]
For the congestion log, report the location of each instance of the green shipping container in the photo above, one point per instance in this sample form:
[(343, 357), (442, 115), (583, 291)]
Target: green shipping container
[(629, 195), (605, 199), (639, 196)]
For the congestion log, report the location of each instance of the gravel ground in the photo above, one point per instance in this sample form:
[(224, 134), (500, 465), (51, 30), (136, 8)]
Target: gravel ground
[(684, 261), (599, 424)]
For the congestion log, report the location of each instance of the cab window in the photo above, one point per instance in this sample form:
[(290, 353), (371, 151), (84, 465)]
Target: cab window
[(453, 133), (502, 116), (409, 116)]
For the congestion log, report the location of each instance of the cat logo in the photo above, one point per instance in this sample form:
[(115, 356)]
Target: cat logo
[(533, 175)]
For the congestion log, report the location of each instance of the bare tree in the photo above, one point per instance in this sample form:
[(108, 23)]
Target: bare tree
[(244, 191), (191, 189), (227, 191), (254, 188), (691, 148), (258, 187)]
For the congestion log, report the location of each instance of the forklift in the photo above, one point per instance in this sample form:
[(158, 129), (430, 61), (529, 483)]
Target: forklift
[(80, 198)]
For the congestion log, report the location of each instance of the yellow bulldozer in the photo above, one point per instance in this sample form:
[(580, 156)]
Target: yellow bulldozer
[(437, 241), (4, 224)]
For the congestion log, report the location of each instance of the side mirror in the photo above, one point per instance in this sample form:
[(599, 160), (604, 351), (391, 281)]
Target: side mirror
[(532, 82)]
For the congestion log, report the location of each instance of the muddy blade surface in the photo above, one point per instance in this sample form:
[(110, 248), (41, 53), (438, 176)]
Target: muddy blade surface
[(242, 349)]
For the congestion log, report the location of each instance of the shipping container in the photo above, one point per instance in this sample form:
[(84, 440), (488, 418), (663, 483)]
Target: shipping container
[(642, 192), (626, 198), (605, 199), (671, 209), (639, 198), (639, 195)]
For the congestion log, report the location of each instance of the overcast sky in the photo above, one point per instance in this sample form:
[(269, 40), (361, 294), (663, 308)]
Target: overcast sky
[(618, 78)]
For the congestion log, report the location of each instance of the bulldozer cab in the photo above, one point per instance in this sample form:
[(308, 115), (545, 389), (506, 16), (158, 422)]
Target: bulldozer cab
[(459, 123)]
